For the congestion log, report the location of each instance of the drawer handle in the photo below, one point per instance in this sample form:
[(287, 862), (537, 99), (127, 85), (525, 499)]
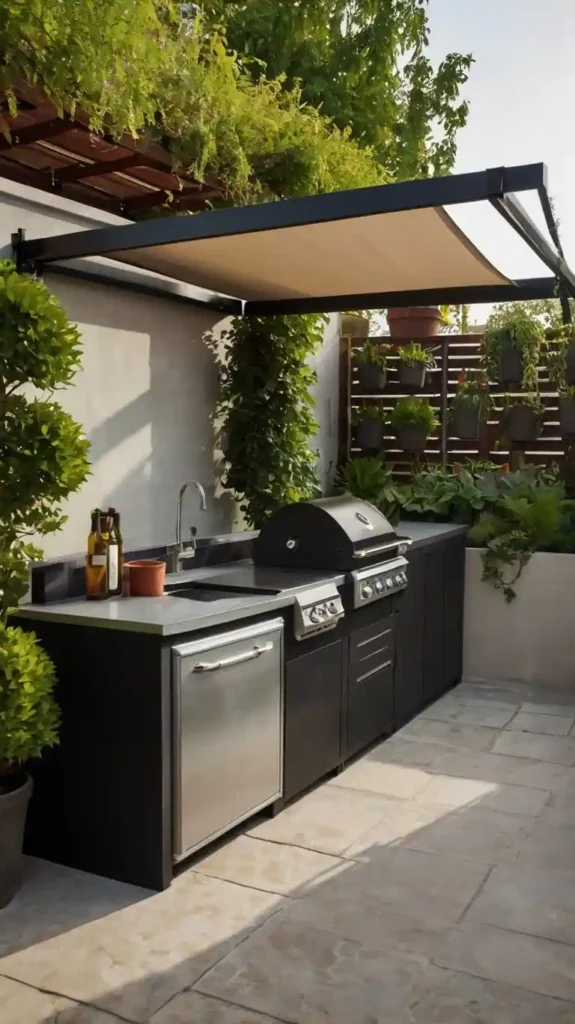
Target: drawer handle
[(213, 666)]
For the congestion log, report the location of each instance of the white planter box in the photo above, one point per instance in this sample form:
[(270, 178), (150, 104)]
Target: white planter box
[(530, 640)]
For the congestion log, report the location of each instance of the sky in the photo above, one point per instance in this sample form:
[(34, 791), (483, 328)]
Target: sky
[(521, 88)]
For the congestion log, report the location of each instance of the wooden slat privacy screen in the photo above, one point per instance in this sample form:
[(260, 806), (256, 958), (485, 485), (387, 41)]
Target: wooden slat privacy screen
[(462, 352)]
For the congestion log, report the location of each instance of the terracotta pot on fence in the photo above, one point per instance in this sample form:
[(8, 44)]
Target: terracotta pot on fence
[(414, 322), (146, 578)]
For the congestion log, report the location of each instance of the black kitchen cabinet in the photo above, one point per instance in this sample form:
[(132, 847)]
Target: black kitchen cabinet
[(430, 627), (313, 701), (369, 705)]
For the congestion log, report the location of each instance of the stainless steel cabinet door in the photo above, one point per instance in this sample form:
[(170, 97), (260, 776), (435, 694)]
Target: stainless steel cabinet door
[(227, 699)]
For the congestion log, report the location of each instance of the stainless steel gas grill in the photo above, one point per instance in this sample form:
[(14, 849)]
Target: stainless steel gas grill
[(342, 533)]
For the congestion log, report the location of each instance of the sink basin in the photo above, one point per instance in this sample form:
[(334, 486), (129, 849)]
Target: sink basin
[(195, 593)]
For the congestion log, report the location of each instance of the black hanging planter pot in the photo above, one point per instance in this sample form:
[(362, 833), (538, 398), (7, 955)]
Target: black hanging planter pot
[(510, 364), (412, 437), (522, 424), (412, 377), (570, 365), (567, 416), (369, 433), (13, 808), (466, 421), (371, 377)]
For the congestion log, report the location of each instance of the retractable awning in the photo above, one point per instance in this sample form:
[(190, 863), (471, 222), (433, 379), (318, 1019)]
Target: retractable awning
[(388, 245)]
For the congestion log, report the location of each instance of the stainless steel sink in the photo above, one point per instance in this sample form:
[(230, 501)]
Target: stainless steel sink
[(198, 593)]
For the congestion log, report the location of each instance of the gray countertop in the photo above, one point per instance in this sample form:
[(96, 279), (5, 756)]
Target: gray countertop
[(169, 615)]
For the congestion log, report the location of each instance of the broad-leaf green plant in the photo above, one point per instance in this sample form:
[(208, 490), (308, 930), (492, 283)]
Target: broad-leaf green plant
[(373, 353), (413, 411), (370, 479), (414, 354)]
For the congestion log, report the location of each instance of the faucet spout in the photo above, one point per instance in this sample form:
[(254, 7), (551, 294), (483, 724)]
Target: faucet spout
[(179, 553)]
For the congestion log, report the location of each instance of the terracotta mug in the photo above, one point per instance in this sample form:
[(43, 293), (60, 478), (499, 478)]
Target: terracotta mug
[(146, 577)]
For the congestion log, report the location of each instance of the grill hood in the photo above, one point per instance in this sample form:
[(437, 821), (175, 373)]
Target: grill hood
[(330, 533)]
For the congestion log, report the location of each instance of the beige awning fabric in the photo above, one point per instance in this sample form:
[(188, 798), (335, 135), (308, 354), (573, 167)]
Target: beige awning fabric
[(386, 252)]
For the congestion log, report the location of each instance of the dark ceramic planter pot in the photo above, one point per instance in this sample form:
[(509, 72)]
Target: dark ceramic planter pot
[(412, 377), (414, 322), (466, 421), (412, 437), (13, 808), (371, 377), (567, 416), (522, 424), (369, 433), (510, 365), (570, 365)]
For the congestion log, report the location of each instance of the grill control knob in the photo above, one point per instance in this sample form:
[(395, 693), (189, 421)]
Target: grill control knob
[(389, 582), (367, 591), (398, 579), (378, 586), (332, 608), (314, 615)]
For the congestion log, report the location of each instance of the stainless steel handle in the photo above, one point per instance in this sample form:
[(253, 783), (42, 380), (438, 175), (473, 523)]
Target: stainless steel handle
[(213, 666), (364, 552)]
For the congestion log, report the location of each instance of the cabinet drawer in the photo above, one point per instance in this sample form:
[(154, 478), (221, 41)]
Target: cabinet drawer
[(374, 641)]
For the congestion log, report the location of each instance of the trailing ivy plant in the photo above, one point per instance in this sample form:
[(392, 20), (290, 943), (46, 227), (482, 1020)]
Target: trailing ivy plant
[(266, 407), (523, 331), (43, 459)]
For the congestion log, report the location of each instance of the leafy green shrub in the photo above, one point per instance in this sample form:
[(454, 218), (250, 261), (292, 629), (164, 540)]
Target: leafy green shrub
[(43, 459), (373, 353), (472, 391), (369, 411), (521, 329), (413, 411), (440, 494), (371, 480), (415, 354)]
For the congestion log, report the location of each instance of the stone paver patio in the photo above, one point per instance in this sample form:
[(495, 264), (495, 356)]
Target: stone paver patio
[(433, 882)]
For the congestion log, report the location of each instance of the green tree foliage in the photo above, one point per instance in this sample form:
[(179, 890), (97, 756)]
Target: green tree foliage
[(362, 62), (43, 459), (135, 66)]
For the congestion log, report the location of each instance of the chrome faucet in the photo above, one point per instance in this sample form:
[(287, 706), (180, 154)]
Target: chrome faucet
[(179, 552)]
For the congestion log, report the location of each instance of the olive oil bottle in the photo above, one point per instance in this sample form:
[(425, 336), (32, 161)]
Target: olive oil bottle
[(96, 561), (115, 553)]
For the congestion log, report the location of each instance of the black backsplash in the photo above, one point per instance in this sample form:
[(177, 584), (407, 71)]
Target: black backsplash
[(65, 578)]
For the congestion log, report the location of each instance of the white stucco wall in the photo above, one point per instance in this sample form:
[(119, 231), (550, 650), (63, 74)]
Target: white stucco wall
[(146, 390)]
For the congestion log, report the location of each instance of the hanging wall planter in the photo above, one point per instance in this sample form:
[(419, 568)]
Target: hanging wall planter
[(414, 322), (522, 423), (413, 420), (14, 800), (510, 364), (369, 433), (466, 421), (412, 377), (371, 377), (412, 366), (567, 416), (412, 437), (570, 365), (511, 346), (471, 403), (371, 361)]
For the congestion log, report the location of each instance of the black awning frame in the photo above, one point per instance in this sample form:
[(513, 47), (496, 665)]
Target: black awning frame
[(496, 186)]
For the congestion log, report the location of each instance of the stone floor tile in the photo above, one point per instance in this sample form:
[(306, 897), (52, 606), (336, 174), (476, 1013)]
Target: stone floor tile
[(21, 1004), (194, 1008), (471, 714), (401, 823), (410, 751), (396, 780), (556, 749), (543, 724), (399, 897), (563, 696), (303, 974), (275, 867), (537, 965), (560, 808), (538, 903), (450, 997), (532, 707), (131, 960), (491, 837), (504, 693), (551, 845), (454, 792), (328, 820), (462, 737), (491, 767)]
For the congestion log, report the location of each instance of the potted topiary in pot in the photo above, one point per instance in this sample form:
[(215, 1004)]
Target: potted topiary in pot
[(414, 362), (369, 422), (413, 420), (43, 459), (470, 405), (522, 418), (372, 366), (511, 347), (415, 321)]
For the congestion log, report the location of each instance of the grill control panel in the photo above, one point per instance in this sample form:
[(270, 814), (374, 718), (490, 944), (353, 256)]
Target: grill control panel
[(317, 609), (379, 581)]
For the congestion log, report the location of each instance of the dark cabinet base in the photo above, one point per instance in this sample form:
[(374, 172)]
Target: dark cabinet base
[(313, 695)]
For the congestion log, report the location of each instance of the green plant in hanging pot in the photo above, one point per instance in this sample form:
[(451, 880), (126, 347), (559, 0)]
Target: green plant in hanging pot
[(522, 418), (371, 361), (370, 479), (413, 364), (43, 459), (369, 419), (470, 405), (413, 421), (562, 375), (511, 347)]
